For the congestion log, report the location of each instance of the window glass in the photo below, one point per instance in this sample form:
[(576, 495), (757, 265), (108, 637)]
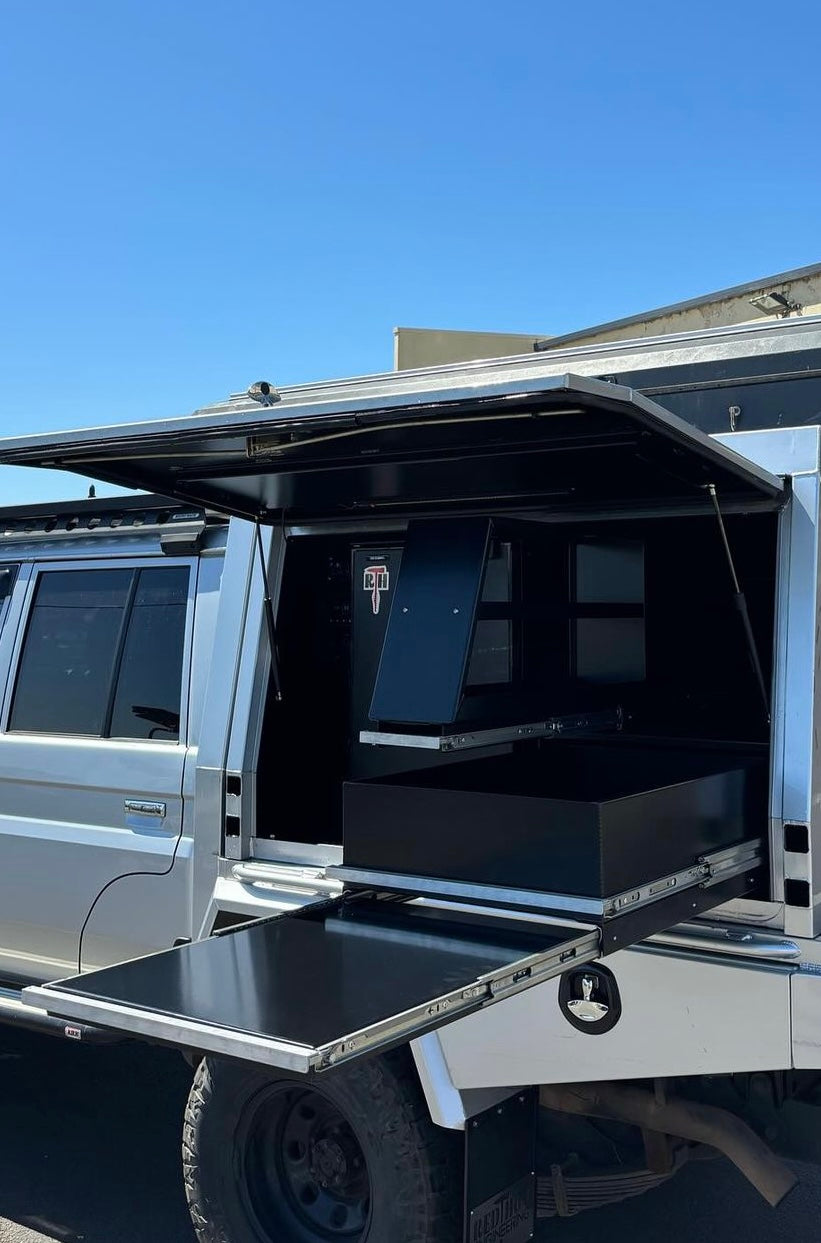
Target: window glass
[(70, 651), (147, 702), (103, 654), (610, 649), (491, 657), (610, 580), (611, 573)]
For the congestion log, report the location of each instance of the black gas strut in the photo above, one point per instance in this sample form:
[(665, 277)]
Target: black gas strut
[(740, 601), (268, 608)]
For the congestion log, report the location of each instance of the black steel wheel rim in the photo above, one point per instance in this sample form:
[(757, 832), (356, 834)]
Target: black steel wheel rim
[(303, 1171)]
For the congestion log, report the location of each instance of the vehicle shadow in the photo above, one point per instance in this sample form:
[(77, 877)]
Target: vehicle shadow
[(90, 1139)]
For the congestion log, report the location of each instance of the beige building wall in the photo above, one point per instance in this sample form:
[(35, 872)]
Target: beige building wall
[(431, 347), (428, 347)]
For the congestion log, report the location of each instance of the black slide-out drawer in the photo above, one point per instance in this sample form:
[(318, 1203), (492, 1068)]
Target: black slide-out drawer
[(591, 819), (310, 989)]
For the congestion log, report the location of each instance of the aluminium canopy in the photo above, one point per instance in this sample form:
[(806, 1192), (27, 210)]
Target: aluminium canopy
[(510, 438)]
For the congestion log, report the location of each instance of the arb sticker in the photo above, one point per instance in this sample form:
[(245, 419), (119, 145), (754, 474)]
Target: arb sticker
[(377, 579)]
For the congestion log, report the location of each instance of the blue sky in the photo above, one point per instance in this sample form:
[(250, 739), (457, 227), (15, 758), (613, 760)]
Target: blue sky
[(195, 195)]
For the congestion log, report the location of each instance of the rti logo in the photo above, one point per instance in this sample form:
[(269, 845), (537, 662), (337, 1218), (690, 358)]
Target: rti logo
[(376, 580), (507, 1218)]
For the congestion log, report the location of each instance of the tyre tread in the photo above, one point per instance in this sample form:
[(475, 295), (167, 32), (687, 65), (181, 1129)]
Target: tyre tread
[(427, 1162)]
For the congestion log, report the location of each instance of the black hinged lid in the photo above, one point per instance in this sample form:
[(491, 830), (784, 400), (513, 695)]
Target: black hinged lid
[(432, 439)]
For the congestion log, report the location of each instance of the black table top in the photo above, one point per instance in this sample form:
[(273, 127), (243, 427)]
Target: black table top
[(313, 978)]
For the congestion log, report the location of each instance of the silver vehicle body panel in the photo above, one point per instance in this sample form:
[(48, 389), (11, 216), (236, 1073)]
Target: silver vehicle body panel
[(66, 831), (683, 1014), (795, 453), (806, 1017), (66, 828), (220, 706)]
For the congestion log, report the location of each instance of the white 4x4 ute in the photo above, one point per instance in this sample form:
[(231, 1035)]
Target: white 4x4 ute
[(426, 748)]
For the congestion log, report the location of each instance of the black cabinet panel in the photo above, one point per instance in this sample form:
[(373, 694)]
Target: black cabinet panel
[(427, 643)]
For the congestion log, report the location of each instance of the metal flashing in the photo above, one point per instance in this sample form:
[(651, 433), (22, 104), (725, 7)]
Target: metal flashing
[(688, 304)]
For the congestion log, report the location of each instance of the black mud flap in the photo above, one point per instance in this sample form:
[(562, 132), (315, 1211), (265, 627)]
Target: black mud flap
[(310, 989), (500, 1172)]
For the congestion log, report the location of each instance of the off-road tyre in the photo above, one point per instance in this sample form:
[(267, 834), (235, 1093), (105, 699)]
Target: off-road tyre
[(412, 1169)]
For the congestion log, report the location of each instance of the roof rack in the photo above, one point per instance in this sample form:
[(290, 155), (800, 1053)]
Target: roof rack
[(100, 516)]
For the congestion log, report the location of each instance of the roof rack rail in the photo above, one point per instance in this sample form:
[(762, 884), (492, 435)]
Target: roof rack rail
[(99, 516)]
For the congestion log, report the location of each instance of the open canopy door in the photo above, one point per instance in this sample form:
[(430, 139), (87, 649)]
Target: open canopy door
[(432, 441)]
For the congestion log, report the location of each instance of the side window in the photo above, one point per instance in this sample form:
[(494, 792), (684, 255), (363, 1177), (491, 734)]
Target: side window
[(491, 658), (147, 699), (103, 654), (608, 640), (69, 652)]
